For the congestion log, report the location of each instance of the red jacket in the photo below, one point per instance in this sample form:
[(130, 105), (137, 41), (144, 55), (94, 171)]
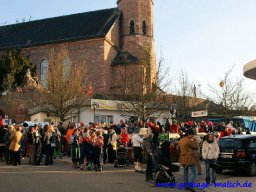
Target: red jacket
[(174, 128), (201, 130), (224, 133), (125, 138), (68, 135), (99, 141)]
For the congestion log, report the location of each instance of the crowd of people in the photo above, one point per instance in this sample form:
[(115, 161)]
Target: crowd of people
[(189, 146), (84, 144), (95, 144)]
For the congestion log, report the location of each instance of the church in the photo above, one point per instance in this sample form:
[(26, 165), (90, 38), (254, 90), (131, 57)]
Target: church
[(106, 41)]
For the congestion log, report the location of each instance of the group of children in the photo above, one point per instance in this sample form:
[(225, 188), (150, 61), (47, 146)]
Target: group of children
[(86, 144)]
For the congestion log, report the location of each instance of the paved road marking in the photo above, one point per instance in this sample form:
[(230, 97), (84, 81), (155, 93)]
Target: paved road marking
[(77, 172)]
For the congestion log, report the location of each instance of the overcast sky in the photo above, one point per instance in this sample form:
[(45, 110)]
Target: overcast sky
[(205, 38)]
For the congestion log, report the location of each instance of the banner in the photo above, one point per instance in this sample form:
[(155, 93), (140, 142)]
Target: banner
[(199, 113), (103, 104), (110, 104)]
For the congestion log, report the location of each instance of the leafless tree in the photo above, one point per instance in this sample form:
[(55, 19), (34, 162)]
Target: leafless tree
[(231, 94), (16, 101), (65, 90), (184, 97), (143, 88)]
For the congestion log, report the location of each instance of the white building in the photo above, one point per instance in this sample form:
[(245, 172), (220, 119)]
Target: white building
[(102, 111)]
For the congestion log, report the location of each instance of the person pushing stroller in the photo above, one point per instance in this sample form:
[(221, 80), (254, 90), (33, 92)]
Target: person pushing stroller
[(149, 152)]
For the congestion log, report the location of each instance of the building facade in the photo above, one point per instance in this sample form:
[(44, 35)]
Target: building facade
[(106, 41)]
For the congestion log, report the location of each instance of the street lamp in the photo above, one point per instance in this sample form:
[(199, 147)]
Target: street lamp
[(95, 105)]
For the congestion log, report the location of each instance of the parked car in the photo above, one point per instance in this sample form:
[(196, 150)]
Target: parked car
[(238, 152)]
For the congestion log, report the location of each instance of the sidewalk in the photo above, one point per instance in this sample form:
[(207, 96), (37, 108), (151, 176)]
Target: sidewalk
[(225, 185), (106, 167)]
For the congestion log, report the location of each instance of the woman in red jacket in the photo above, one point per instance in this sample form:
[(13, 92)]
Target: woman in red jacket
[(225, 132), (124, 136)]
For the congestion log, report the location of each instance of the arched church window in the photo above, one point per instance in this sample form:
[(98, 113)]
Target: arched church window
[(144, 28), (66, 67), (43, 72), (132, 27)]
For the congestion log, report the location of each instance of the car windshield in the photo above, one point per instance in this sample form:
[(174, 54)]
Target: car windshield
[(230, 142)]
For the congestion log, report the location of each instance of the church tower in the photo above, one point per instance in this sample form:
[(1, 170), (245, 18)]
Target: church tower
[(137, 29)]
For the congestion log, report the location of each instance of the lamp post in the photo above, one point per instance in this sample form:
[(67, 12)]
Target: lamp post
[(95, 105)]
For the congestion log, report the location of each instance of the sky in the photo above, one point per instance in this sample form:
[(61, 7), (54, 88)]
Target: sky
[(204, 38)]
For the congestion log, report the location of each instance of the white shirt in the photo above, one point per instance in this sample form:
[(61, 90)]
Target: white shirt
[(210, 151), (112, 138), (136, 140)]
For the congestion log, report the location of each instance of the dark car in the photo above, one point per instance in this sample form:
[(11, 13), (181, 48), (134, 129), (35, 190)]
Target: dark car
[(238, 152)]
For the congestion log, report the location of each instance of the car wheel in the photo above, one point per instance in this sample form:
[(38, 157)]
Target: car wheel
[(219, 171), (252, 169)]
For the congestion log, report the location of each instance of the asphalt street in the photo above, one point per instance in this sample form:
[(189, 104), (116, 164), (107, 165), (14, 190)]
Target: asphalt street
[(62, 177)]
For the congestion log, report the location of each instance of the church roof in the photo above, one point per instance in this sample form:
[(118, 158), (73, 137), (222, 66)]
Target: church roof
[(124, 57), (88, 25)]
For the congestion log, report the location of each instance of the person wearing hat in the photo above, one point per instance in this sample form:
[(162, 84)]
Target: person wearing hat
[(105, 146), (75, 149), (112, 145), (186, 146), (148, 151), (247, 131)]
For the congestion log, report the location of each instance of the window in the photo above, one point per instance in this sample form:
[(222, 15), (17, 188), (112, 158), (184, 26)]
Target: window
[(109, 119), (230, 142), (43, 72), (66, 67), (97, 118), (104, 118), (132, 27), (144, 28), (252, 143)]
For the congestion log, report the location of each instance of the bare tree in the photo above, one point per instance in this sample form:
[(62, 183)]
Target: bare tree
[(9, 100), (184, 97), (16, 101), (231, 95), (143, 87), (64, 91)]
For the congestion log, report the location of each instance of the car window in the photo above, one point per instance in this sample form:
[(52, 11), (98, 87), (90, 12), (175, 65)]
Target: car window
[(230, 142)]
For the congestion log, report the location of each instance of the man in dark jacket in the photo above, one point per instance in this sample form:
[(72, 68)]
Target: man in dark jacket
[(105, 146), (3, 130), (148, 150), (8, 156)]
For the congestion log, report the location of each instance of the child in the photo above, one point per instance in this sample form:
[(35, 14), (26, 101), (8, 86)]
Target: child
[(89, 140), (57, 150), (75, 149), (97, 148), (124, 136)]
